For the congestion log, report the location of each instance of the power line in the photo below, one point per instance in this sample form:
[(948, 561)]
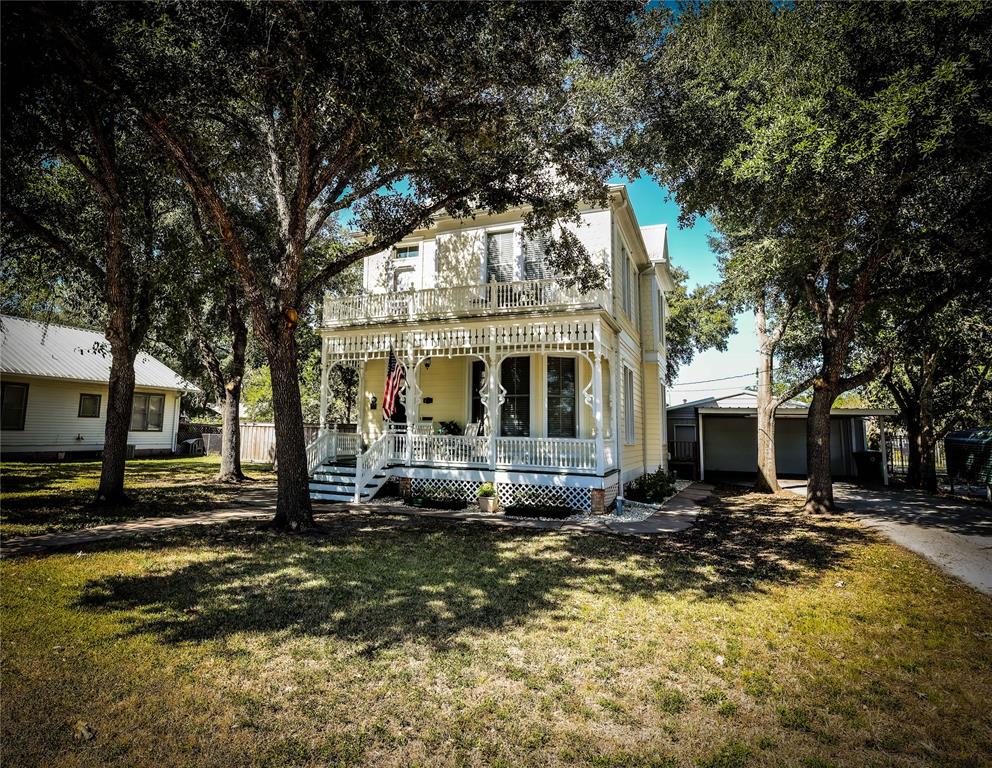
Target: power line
[(723, 378)]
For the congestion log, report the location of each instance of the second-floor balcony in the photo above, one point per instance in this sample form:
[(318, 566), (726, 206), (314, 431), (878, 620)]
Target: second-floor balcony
[(479, 300)]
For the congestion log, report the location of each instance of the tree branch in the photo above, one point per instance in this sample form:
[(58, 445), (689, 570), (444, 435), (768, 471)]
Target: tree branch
[(31, 226)]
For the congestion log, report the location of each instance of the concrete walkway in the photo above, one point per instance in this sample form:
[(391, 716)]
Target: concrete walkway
[(953, 534), (254, 503), (678, 513)]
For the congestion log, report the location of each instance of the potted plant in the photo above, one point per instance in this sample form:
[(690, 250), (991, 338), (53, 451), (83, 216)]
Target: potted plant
[(487, 497)]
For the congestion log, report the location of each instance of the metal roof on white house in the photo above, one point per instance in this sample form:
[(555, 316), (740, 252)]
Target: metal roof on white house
[(31, 348)]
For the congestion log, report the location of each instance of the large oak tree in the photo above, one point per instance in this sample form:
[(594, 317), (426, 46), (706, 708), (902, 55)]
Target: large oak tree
[(389, 112), (854, 136)]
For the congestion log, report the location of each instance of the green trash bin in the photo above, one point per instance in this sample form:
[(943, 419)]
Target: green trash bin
[(869, 464)]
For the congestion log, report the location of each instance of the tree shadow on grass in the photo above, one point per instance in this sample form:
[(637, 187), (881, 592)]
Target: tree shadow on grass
[(378, 581)]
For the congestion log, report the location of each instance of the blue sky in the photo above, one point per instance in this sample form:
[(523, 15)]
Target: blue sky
[(689, 248)]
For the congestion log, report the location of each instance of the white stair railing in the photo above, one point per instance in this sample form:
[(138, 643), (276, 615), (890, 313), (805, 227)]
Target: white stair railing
[(368, 464), (321, 449)]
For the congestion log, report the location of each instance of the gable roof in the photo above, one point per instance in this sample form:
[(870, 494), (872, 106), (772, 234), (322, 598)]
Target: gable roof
[(31, 348)]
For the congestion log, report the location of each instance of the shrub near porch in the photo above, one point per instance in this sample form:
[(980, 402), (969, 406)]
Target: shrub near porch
[(762, 637)]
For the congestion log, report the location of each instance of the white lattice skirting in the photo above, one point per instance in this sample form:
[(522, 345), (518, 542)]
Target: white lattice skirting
[(509, 494)]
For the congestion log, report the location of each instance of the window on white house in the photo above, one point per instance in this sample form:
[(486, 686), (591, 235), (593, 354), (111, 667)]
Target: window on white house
[(499, 257), (406, 252), (561, 397), (14, 405), (628, 405), (147, 412), (404, 279), (89, 406), (626, 282), (534, 250), (515, 413)]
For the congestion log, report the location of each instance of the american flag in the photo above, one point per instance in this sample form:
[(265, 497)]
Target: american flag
[(395, 376)]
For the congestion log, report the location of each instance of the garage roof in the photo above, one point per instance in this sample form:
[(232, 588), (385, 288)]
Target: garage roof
[(745, 403), (31, 348)]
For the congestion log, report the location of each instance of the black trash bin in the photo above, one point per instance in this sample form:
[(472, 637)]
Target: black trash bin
[(869, 464)]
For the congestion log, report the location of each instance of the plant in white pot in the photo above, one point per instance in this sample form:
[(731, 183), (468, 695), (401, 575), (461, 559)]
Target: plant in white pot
[(487, 497)]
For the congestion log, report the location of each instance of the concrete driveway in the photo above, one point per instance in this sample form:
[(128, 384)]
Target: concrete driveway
[(955, 535)]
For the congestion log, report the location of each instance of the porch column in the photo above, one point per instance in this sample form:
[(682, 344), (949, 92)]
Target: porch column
[(597, 404), (412, 403), (702, 467), (323, 384), (492, 394), (885, 456), (360, 404)]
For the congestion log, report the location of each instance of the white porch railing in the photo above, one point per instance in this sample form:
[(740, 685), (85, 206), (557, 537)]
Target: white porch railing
[(367, 464), (319, 450), (452, 450), (459, 301), (554, 453)]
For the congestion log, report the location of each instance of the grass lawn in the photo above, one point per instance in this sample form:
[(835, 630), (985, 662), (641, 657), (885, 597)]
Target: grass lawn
[(44, 497), (763, 636)]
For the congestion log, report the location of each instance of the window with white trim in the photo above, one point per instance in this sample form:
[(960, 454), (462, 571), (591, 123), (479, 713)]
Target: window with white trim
[(147, 412), (14, 404), (629, 435), (534, 250), (499, 257), (562, 395), (89, 406), (626, 282), (401, 252)]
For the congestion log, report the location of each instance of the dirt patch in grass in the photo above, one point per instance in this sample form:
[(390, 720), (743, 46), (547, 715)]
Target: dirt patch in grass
[(764, 636), (38, 497)]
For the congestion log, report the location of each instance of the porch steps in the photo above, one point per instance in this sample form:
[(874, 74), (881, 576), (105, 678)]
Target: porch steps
[(335, 481)]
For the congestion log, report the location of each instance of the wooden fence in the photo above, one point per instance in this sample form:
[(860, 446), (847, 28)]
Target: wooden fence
[(258, 439)]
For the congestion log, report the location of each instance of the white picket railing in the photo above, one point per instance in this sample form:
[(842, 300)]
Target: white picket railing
[(319, 449), (459, 301), (452, 450), (554, 453), (367, 464)]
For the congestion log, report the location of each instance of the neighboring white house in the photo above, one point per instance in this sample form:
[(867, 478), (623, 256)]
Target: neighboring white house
[(55, 383), (718, 436), (552, 393)]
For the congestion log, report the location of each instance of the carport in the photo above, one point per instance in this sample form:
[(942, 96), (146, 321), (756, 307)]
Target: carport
[(718, 436)]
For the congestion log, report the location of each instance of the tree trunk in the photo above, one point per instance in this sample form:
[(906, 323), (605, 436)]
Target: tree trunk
[(819, 486), (928, 445), (767, 478), (230, 439), (119, 402), (914, 438), (293, 510), (230, 453)]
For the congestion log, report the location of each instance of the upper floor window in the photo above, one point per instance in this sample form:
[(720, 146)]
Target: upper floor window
[(406, 252), (626, 282), (14, 405), (499, 257), (404, 279), (534, 250), (89, 406), (146, 413)]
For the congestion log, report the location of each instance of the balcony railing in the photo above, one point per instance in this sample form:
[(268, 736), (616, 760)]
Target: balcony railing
[(460, 301)]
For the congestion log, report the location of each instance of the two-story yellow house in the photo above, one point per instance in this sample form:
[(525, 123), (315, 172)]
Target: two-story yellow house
[(551, 394)]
